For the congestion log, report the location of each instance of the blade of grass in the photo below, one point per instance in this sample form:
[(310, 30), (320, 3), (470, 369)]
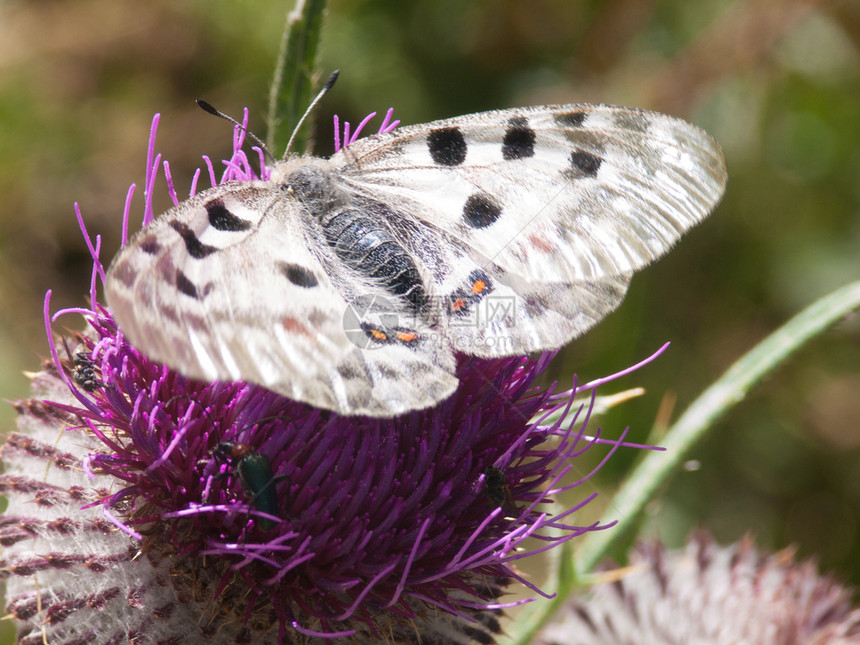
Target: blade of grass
[(295, 75), (655, 469)]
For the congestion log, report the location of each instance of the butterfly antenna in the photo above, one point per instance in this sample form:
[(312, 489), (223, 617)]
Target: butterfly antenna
[(328, 85), (207, 107)]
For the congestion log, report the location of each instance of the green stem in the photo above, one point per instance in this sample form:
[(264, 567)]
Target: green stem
[(295, 75), (656, 467)]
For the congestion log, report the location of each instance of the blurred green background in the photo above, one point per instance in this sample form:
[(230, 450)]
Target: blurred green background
[(777, 82)]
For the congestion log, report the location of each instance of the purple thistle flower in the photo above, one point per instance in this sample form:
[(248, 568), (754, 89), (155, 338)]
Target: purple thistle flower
[(146, 507), (704, 594)]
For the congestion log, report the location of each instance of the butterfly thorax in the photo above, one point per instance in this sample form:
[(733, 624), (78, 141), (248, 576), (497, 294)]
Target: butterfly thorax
[(356, 229), (311, 182)]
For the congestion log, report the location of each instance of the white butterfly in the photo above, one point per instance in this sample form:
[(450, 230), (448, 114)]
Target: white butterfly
[(350, 283)]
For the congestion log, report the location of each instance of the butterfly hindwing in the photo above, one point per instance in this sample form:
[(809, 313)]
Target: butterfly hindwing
[(485, 311)]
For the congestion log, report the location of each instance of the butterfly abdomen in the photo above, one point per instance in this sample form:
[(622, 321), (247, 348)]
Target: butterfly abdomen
[(369, 248), (357, 234)]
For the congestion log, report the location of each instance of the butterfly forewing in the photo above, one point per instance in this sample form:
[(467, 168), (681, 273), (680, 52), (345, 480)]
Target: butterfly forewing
[(350, 284), (553, 194), (247, 298)]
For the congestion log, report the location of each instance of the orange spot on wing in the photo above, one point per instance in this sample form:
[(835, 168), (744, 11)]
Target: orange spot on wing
[(458, 304), (478, 286), (378, 335), (406, 336)]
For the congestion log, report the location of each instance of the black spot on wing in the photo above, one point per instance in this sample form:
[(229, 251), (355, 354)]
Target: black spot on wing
[(633, 120), (124, 272), (447, 146), (184, 285), (519, 141), (150, 245), (584, 163), (222, 219), (349, 371), (481, 210), (196, 249), (298, 275), (572, 119)]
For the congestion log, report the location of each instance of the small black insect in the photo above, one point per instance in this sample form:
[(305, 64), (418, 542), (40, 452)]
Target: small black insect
[(254, 470), (84, 373), (497, 490)]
